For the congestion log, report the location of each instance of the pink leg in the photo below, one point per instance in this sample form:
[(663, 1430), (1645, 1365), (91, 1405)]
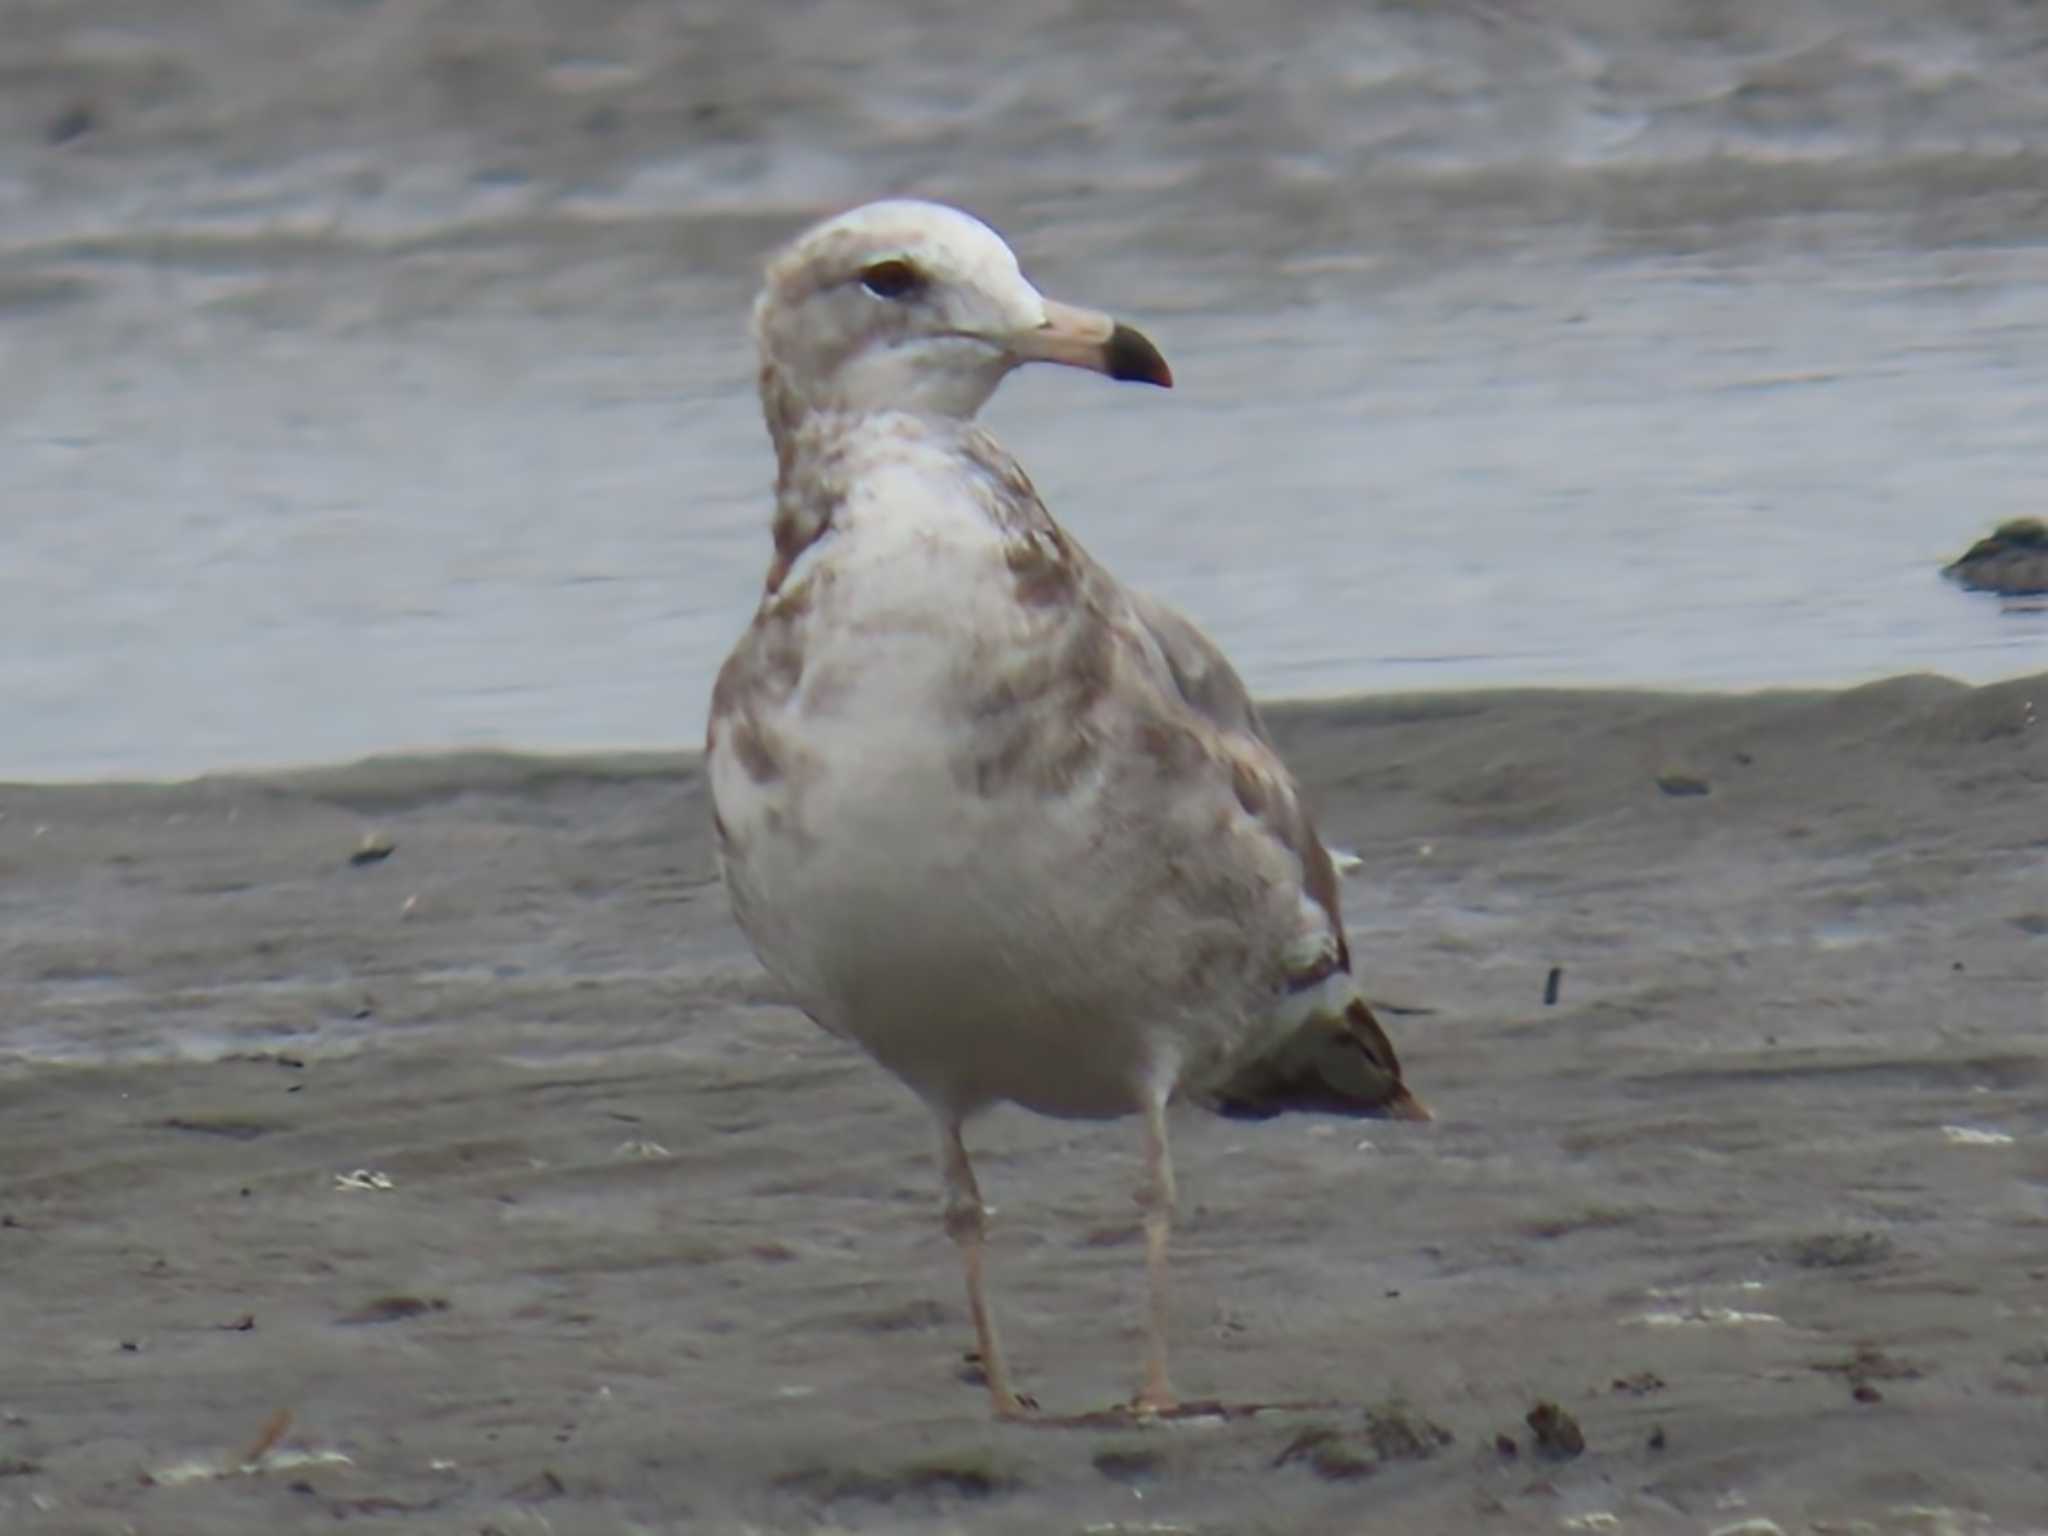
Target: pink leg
[(1155, 1199), (966, 1219)]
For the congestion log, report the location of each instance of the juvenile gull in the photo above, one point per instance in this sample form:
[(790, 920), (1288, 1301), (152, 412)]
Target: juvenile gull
[(1011, 827)]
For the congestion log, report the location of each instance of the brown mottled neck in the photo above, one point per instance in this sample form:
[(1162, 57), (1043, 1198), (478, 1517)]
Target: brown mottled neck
[(815, 445), (811, 472), (784, 410)]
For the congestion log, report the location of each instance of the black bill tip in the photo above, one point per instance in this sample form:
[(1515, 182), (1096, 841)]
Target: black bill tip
[(1132, 358)]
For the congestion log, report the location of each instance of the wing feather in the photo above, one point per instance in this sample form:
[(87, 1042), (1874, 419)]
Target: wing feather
[(1209, 685)]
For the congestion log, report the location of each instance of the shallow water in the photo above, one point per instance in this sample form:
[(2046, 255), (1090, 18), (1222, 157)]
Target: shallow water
[(1514, 347)]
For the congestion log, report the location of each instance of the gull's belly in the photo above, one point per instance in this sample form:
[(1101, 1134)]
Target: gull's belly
[(1066, 944), (974, 943)]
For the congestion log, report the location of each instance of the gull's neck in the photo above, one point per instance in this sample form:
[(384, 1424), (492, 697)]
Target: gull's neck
[(937, 385), (815, 449), (813, 427)]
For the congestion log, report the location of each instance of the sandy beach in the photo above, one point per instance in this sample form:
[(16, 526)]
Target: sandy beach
[(494, 1162)]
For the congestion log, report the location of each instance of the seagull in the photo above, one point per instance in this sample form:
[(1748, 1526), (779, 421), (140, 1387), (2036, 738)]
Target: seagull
[(1011, 827)]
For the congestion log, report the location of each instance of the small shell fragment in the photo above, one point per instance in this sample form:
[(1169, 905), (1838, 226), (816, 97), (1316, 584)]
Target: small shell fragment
[(1970, 1136), (1722, 1317)]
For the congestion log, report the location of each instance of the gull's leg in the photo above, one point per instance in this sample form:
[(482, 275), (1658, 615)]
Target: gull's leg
[(966, 1218), (1155, 1199)]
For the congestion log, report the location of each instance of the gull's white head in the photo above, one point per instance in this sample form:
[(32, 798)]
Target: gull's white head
[(914, 306)]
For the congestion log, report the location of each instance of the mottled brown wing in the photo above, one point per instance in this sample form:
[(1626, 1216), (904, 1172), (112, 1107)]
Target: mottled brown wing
[(1337, 1063), (1203, 674), (1211, 687)]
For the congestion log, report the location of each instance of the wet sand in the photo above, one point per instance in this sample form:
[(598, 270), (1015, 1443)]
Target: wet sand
[(1759, 1201)]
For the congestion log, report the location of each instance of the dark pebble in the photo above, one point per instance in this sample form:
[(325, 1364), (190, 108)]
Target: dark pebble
[(1683, 784), (74, 122), (1558, 1435)]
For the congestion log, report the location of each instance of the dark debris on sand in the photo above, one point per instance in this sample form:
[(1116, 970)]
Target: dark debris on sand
[(1557, 1433), (967, 1474), (1387, 1434), (1867, 1365)]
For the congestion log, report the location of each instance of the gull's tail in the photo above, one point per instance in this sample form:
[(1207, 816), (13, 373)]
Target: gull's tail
[(1333, 1064)]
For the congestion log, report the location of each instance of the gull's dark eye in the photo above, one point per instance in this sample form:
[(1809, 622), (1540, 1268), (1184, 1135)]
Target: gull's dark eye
[(894, 279)]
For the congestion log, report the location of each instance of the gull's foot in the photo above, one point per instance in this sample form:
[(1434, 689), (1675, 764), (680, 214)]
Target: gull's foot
[(1154, 1403), (1012, 1407)]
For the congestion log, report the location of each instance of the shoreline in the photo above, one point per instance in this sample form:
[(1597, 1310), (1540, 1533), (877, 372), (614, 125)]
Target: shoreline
[(503, 767)]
